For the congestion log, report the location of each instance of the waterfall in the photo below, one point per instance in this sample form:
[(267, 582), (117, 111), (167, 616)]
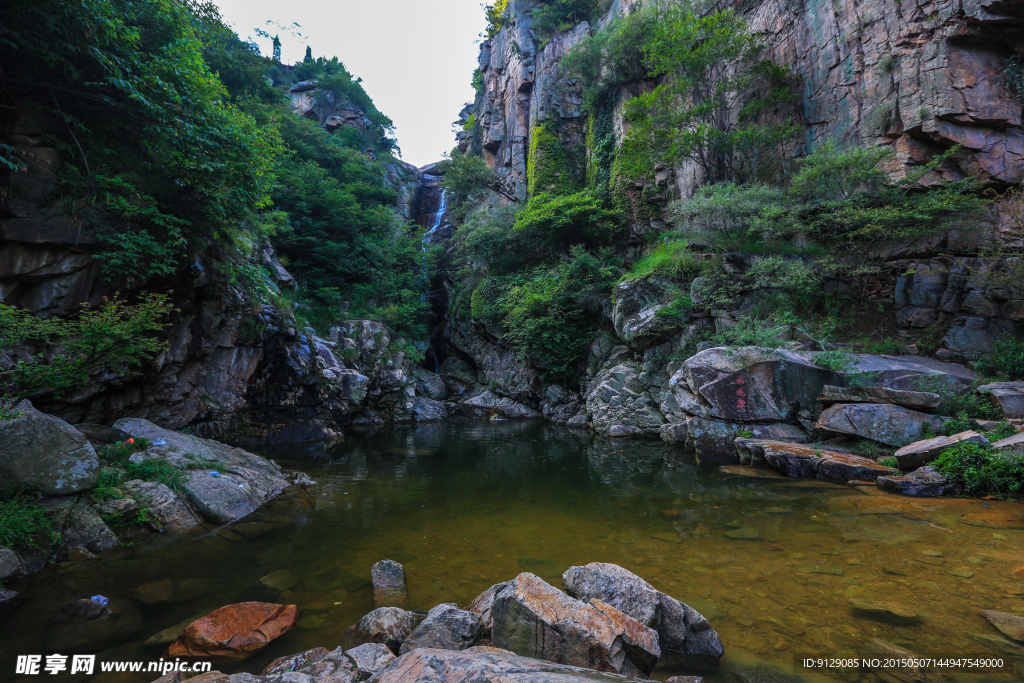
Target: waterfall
[(438, 218)]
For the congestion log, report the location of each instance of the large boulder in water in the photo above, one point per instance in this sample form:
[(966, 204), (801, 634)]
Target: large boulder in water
[(685, 636), (45, 452), (234, 632), (446, 627), (534, 619), (479, 664), (229, 483)]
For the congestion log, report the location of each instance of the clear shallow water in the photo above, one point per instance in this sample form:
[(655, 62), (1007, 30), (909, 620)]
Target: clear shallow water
[(464, 506)]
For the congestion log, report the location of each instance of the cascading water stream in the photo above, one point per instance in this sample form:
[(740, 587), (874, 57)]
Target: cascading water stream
[(427, 239)]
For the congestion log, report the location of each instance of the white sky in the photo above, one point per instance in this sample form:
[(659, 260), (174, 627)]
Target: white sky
[(416, 57)]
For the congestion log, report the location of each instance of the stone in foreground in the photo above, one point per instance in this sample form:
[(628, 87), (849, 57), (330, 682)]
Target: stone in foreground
[(45, 452), (479, 664), (684, 635), (888, 424), (915, 400), (923, 482), (445, 627), (923, 452), (370, 658), (1010, 625), (387, 625), (481, 606), (235, 632), (389, 586), (295, 662), (535, 619)]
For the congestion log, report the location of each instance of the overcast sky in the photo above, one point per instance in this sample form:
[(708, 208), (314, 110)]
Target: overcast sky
[(416, 57)]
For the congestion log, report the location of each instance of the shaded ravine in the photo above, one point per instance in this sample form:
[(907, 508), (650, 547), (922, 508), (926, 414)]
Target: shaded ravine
[(464, 506)]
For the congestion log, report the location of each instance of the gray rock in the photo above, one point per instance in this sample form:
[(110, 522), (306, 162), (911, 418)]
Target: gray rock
[(296, 662), (924, 482), (119, 506), (445, 627), (221, 499), (163, 504), (674, 432), (1007, 396), (10, 564), (335, 667), (1014, 443), (352, 385), (888, 424), (85, 528), (715, 441), (635, 313), (1010, 625), (45, 452), (387, 625), (389, 585), (9, 601), (428, 410), (999, 644), (797, 460), (370, 658), (915, 400), (619, 398), (481, 606), (534, 619), (685, 636), (923, 452), (480, 664), (487, 404), (430, 384)]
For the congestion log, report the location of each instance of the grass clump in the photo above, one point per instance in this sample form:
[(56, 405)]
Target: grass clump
[(835, 360), (24, 523)]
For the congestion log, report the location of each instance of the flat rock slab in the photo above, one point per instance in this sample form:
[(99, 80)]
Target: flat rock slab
[(888, 612), (923, 452), (487, 664), (1013, 443), (923, 482), (888, 424), (1010, 625), (915, 400), (235, 631), (796, 460), (535, 619)]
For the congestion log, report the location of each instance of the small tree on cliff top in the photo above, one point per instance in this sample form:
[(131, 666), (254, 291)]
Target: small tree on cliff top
[(708, 106)]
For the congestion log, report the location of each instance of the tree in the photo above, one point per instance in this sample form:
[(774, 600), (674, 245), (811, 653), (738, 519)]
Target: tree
[(308, 59), (708, 105), (277, 49)]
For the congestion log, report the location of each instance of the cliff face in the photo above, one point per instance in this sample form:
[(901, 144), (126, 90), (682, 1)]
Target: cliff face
[(916, 76)]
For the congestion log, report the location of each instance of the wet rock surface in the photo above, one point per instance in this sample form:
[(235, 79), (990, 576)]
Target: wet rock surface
[(235, 632)]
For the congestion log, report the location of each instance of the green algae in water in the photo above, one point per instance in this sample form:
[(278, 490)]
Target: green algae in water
[(464, 506)]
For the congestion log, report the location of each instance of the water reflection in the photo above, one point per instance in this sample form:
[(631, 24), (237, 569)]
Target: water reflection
[(772, 562)]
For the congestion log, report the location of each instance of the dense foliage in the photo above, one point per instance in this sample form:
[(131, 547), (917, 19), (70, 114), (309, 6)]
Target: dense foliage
[(983, 471), (24, 523), (181, 141), (116, 338)]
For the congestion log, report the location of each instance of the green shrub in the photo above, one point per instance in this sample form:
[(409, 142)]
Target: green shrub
[(670, 259), (837, 361), (116, 337), (551, 224), (552, 16), (464, 175), (1006, 360), (24, 524), (889, 462), (981, 471), (553, 167), (728, 211), (966, 402)]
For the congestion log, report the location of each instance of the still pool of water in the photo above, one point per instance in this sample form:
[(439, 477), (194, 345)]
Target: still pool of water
[(772, 562)]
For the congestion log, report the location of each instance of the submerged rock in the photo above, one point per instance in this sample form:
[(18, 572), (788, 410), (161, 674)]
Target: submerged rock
[(888, 612), (446, 627), (479, 664), (44, 452), (924, 482), (535, 619), (1010, 625), (389, 586), (235, 631)]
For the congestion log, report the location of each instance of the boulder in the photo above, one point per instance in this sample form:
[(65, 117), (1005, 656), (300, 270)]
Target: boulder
[(888, 424), (428, 410), (10, 564), (1007, 396), (619, 402), (923, 452), (1010, 625), (532, 618), (429, 384), (1013, 443), (387, 625), (244, 480), (479, 664), (389, 586), (85, 528), (635, 312), (675, 432), (445, 627), (295, 662), (370, 658), (164, 505), (235, 632), (923, 482), (45, 452), (795, 460), (915, 400), (715, 441), (488, 404), (685, 636), (335, 667), (481, 606)]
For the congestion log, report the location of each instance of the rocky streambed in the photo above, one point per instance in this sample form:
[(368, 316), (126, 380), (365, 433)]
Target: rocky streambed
[(778, 566)]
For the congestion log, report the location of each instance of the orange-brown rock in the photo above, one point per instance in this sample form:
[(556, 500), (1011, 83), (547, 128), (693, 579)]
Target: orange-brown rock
[(234, 632), (796, 460)]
